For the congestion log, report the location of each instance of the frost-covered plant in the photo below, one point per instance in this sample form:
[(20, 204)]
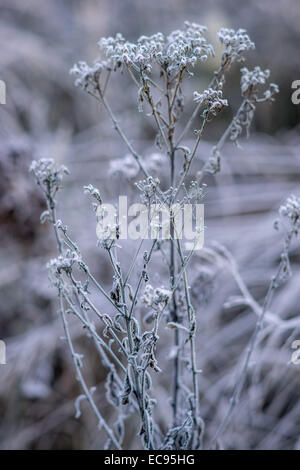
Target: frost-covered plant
[(127, 345)]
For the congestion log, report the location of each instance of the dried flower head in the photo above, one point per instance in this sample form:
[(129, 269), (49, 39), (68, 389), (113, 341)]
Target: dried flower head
[(88, 76), (156, 298), (180, 49), (291, 210), (252, 79), (94, 192), (63, 262), (148, 188), (235, 42), (212, 100), (47, 172)]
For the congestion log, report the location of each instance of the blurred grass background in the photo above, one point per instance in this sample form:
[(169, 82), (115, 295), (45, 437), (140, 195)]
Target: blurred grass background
[(46, 116)]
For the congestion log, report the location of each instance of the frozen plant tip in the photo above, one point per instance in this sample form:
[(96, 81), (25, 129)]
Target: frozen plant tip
[(291, 210), (212, 100)]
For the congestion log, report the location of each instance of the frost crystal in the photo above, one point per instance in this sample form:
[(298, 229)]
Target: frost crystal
[(181, 49), (291, 210), (47, 171), (64, 262), (148, 188), (94, 192), (235, 42), (251, 79), (156, 298), (88, 77), (213, 101)]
